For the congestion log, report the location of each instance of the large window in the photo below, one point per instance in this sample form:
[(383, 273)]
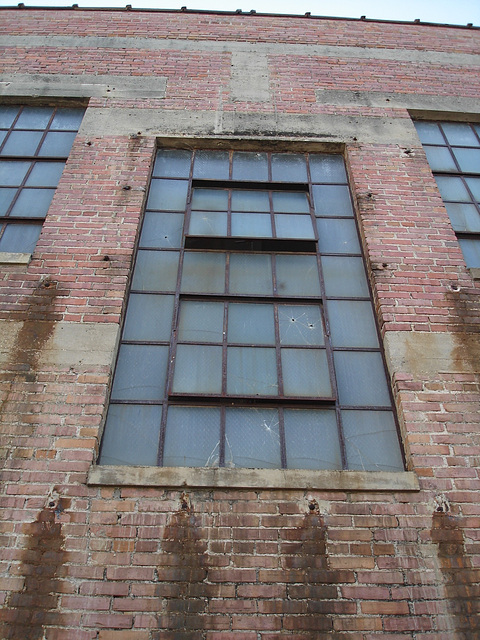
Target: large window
[(34, 144), (453, 151), (249, 338)]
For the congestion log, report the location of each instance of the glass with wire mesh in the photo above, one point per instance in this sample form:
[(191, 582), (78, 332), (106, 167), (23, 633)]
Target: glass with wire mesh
[(249, 338), (34, 145)]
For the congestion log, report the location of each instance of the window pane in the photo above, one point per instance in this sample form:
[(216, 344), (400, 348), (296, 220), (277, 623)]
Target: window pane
[(251, 323), (251, 371), (252, 438), (305, 373), (361, 379), (344, 277), (474, 186), (192, 437), (155, 271), (208, 223), (294, 226), (45, 174), (459, 133), (168, 194), (20, 238), (7, 116), (300, 325), (210, 199), (471, 251), (297, 275), (352, 324), (250, 201), (250, 225), (327, 168), (201, 321), (464, 217), (149, 317), (67, 119), (6, 197), (452, 189), (429, 133), (336, 235), (140, 372), (34, 118), (440, 159), (289, 167), (311, 439), (203, 272), (332, 200), (211, 164), (22, 143), (290, 202), (468, 159), (162, 230), (33, 203), (251, 273), (131, 435), (198, 369), (12, 172), (371, 441), (57, 144), (250, 166), (174, 163)]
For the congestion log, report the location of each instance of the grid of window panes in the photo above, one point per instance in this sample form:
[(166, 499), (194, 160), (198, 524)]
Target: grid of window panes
[(34, 145), (453, 152), (249, 338)]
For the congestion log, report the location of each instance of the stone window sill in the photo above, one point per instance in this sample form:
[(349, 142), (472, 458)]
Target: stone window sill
[(14, 258), (253, 478)]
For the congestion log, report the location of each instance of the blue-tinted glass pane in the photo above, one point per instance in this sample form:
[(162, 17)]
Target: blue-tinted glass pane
[(251, 323), (198, 369), (294, 226), (332, 200), (250, 200), (149, 317), (471, 251), (468, 159), (67, 119), (210, 199), (131, 435), (155, 271), (20, 238), (452, 189), (297, 275), (361, 379), (12, 172), (45, 174), (172, 163), (252, 438), (440, 159), (251, 273), (250, 166), (6, 197), (327, 168), (203, 272), (57, 144), (7, 116), (474, 186), (251, 371), (464, 217), (289, 167), (459, 133), (213, 165), (34, 118), (162, 230), (344, 277), (429, 132), (371, 441), (208, 223), (140, 372), (352, 323), (311, 439), (248, 225), (200, 321), (33, 203), (192, 437), (2, 136), (22, 143), (300, 324), (305, 373), (337, 235), (168, 194), (290, 202)]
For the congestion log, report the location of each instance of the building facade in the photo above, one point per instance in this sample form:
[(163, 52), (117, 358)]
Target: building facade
[(239, 327)]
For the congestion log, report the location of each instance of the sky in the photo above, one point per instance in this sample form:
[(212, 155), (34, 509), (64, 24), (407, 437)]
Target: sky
[(459, 12)]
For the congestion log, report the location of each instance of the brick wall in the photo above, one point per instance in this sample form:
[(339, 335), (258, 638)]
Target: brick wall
[(84, 561)]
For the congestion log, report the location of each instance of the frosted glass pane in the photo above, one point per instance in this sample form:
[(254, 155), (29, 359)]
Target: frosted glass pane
[(452, 189), (67, 119), (7, 116), (251, 323), (429, 132), (471, 251), (294, 226), (250, 200), (468, 159), (192, 437), (474, 186), (140, 372), (327, 168), (290, 202), (336, 235), (344, 277), (252, 438), (332, 200), (45, 174), (131, 435), (211, 164), (251, 371), (155, 271), (3, 135), (22, 143), (203, 272), (162, 230), (361, 379), (198, 369), (371, 441), (208, 223), (297, 275), (257, 225), (250, 166), (300, 325), (210, 199), (464, 217), (305, 373), (20, 238), (172, 163), (460, 133), (352, 324), (12, 172), (167, 194), (311, 439), (251, 273), (34, 118), (6, 197), (149, 317), (201, 321), (440, 159), (33, 203), (289, 167), (57, 144)]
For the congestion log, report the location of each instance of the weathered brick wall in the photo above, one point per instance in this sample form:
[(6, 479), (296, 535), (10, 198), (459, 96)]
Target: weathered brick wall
[(84, 562)]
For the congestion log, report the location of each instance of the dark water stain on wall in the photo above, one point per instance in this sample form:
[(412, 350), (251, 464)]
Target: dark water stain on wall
[(26, 612), (461, 579)]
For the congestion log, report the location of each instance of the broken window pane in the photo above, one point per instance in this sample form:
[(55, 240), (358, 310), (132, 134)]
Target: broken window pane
[(192, 437), (301, 325), (252, 438)]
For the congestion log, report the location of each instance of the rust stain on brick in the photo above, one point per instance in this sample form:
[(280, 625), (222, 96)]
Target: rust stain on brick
[(27, 612), (461, 579)]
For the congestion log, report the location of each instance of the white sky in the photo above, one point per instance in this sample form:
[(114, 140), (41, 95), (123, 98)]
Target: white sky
[(441, 11)]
